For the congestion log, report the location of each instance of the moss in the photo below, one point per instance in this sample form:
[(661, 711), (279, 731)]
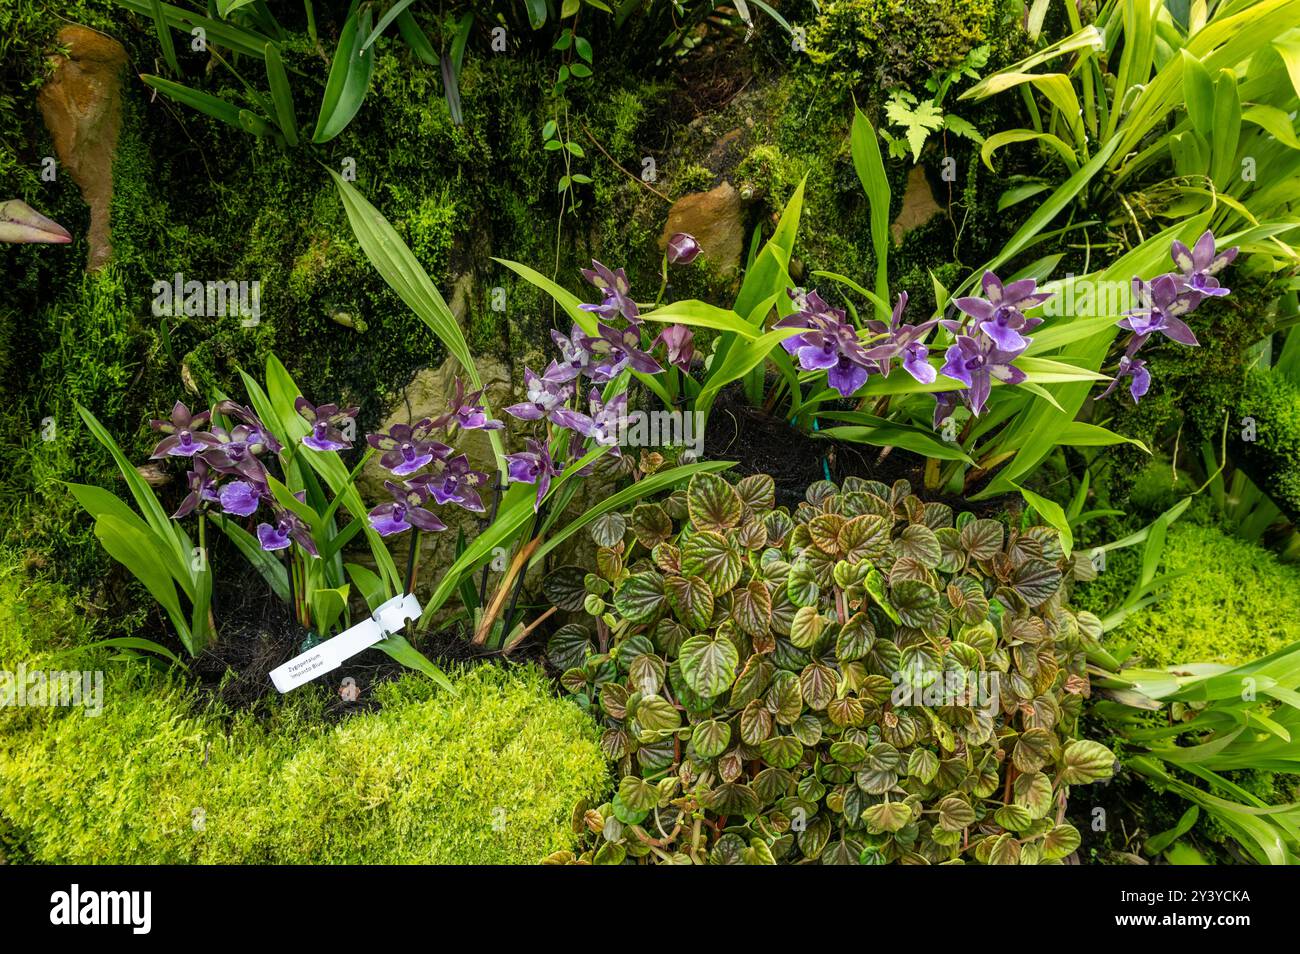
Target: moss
[(1272, 402), (488, 775)]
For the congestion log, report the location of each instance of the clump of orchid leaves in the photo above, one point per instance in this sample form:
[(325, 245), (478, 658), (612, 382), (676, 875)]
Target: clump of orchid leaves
[(869, 679)]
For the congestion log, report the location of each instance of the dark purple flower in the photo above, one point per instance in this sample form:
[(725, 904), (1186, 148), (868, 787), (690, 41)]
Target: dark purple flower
[(406, 510), (975, 362), (1200, 264), (620, 349), (253, 432), (453, 481), (533, 466), (288, 528), (325, 420), (185, 434), (1160, 305), (575, 357), (235, 457), (608, 420), (203, 489), (240, 497), (407, 448), (829, 344), (618, 293), (1136, 370), (945, 402), (903, 341), (546, 396), (466, 412), (680, 342), (683, 249), (999, 314)]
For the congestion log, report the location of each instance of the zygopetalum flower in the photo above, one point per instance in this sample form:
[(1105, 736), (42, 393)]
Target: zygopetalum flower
[(407, 448), (618, 293), (975, 362), (453, 481), (999, 314), (533, 466), (466, 412), (288, 528), (404, 511), (619, 349), (185, 434), (1200, 264), (903, 341), (546, 398), (1162, 303), (829, 343), (326, 422), (679, 340), (202, 483)]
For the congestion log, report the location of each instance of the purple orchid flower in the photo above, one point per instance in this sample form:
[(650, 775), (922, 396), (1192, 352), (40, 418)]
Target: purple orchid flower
[(618, 293), (945, 402), (253, 432), (1200, 264), (1136, 370), (240, 497), (407, 448), (1161, 303), (905, 341), (325, 420), (999, 313), (683, 249), (288, 528), (202, 484), (575, 357), (680, 342), (546, 397), (829, 344), (533, 466), (466, 412), (185, 434), (404, 511), (454, 481), (975, 362), (608, 420), (621, 348), (235, 456)]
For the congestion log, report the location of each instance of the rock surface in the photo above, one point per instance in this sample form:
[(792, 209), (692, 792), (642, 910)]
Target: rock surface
[(714, 218), (918, 208), (82, 107)]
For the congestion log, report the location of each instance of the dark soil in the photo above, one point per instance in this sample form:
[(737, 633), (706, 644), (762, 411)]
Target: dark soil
[(762, 444)]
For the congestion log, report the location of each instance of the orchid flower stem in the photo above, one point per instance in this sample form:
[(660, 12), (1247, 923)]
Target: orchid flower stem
[(496, 505), (410, 560)]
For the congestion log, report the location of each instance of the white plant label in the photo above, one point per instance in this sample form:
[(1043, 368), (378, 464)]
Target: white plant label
[(388, 618)]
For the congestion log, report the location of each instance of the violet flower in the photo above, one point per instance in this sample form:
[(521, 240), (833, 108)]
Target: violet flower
[(546, 397), (618, 293), (325, 420), (453, 481), (235, 456), (904, 340), (404, 511), (1161, 303), (683, 249), (253, 433), (680, 342), (1200, 264), (288, 528), (575, 357), (621, 348), (466, 412), (829, 344), (203, 489), (1136, 370), (533, 466), (185, 436), (608, 420), (406, 447), (240, 497), (975, 362), (999, 314)]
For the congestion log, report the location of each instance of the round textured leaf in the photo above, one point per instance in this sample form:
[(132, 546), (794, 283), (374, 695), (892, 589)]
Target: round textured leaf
[(919, 542), (955, 813), (923, 765), (806, 627), (1086, 761), (709, 664), (807, 729), (1033, 792), (784, 697), (758, 491), (1036, 581), (1013, 817), (1005, 850), (865, 537), (638, 794), (818, 683), (1034, 750), (710, 738), (733, 798), (657, 714), (566, 588), (778, 525), (755, 723), (640, 596), (712, 557), (887, 816), (647, 673), (981, 539), (855, 638), (824, 529), (608, 529), (691, 600), (751, 608), (1060, 841), (651, 525), (845, 712), (782, 751), (967, 597), (801, 585), (569, 647), (917, 605), (713, 503)]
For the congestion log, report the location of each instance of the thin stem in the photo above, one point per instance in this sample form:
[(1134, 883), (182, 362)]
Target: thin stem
[(410, 560)]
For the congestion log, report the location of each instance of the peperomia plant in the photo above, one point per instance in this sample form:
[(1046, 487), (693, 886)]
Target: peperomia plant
[(867, 679)]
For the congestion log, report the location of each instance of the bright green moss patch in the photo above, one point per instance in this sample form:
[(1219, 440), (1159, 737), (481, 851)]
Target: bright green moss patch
[(487, 776), (1235, 603)]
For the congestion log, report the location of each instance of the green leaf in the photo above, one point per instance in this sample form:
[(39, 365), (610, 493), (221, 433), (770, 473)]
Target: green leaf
[(1060, 841), (714, 558), (887, 816), (196, 99), (713, 503), (710, 738), (709, 664), (1053, 513), (691, 600), (349, 78), (1085, 761), (870, 167), (281, 94), (639, 597)]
